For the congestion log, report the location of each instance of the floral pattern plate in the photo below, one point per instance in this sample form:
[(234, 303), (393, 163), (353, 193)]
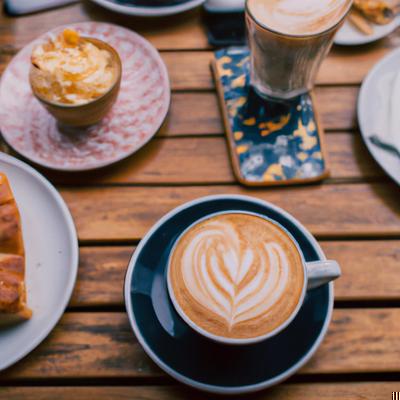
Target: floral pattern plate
[(138, 113)]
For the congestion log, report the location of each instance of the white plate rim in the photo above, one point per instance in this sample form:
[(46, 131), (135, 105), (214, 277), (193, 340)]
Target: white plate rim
[(191, 382), (149, 11), (368, 38), (52, 322), (362, 97), (163, 70)]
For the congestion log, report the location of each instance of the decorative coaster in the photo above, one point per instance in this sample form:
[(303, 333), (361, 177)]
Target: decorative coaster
[(271, 143), (136, 116)]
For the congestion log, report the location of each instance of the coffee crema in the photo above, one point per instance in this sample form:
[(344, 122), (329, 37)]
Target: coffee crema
[(236, 275), (298, 17)]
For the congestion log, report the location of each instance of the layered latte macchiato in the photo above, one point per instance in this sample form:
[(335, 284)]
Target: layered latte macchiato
[(305, 17), (288, 40), (236, 275)]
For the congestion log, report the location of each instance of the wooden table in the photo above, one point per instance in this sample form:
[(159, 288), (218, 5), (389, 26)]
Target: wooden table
[(92, 353)]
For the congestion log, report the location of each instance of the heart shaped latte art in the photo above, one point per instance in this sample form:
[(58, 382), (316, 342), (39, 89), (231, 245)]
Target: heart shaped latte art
[(237, 282)]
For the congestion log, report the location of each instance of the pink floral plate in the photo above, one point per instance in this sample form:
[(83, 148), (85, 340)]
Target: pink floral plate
[(136, 116)]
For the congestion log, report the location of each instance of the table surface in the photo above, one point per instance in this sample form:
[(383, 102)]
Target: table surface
[(92, 353)]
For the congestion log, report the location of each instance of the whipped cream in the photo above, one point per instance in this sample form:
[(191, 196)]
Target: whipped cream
[(71, 69)]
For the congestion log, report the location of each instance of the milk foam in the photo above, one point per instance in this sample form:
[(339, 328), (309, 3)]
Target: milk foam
[(298, 16), (235, 282)]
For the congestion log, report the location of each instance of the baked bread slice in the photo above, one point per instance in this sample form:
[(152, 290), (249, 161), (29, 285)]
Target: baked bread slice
[(13, 307)]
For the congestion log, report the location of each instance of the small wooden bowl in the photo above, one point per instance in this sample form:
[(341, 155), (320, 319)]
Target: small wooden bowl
[(88, 113)]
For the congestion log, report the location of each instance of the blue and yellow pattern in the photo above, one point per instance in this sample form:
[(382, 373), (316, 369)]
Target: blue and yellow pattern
[(272, 141)]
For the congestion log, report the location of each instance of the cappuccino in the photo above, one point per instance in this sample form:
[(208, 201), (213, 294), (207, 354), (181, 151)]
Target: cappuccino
[(236, 275)]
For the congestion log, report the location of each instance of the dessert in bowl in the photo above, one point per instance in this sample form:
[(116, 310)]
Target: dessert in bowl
[(76, 78)]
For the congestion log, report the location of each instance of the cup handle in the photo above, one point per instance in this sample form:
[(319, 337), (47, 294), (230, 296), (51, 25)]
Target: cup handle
[(321, 272)]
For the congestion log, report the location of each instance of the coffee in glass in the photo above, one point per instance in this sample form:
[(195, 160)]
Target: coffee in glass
[(288, 40)]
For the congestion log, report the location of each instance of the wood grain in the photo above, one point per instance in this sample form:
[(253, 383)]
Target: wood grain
[(100, 345), (126, 213), (101, 276), (370, 271), (174, 32), (315, 391), (198, 112), (93, 346), (183, 32), (206, 160), (190, 70)]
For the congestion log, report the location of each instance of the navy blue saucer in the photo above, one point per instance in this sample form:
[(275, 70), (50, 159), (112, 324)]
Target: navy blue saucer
[(193, 359), (149, 3)]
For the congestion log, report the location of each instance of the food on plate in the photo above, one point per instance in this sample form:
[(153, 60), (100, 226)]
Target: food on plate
[(377, 11), (365, 13), (13, 306), (360, 22), (73, 70)]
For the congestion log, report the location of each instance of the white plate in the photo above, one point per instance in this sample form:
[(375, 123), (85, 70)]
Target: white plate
[(348, 35), (51, 248), (369, 105), (149, 11)]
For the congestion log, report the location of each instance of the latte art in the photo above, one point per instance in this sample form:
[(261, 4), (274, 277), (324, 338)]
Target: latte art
[(298, 16), (236, 275)]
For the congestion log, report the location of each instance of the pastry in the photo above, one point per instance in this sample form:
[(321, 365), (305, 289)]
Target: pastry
[(13, 307), (377, 11)]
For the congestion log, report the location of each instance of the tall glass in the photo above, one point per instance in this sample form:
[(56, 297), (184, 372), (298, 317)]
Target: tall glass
[(285, 65)]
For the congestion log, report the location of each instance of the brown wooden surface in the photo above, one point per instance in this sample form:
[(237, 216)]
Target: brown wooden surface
[(370, 271), (126, 213), (92, 353), (318, 391), (96, 345), (201, 160)]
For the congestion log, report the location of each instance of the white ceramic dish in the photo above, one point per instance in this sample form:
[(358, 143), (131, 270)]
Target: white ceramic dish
[(369, 105), (348, 35), (51, 248), (148, 11)]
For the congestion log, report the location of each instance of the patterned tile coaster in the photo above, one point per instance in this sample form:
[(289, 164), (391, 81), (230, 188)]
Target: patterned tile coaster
[(271, 143)]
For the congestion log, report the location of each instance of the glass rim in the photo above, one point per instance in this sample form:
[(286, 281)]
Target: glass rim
[(297, 36)]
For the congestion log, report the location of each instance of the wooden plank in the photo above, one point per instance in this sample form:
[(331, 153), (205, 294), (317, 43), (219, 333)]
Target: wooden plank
[(198, 113), (190, 70), (206, 160), (193, 114), (299, 391), (101, 276), (183, 31), (370, 272), (126, 213), (100, 345), (370, 269)]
